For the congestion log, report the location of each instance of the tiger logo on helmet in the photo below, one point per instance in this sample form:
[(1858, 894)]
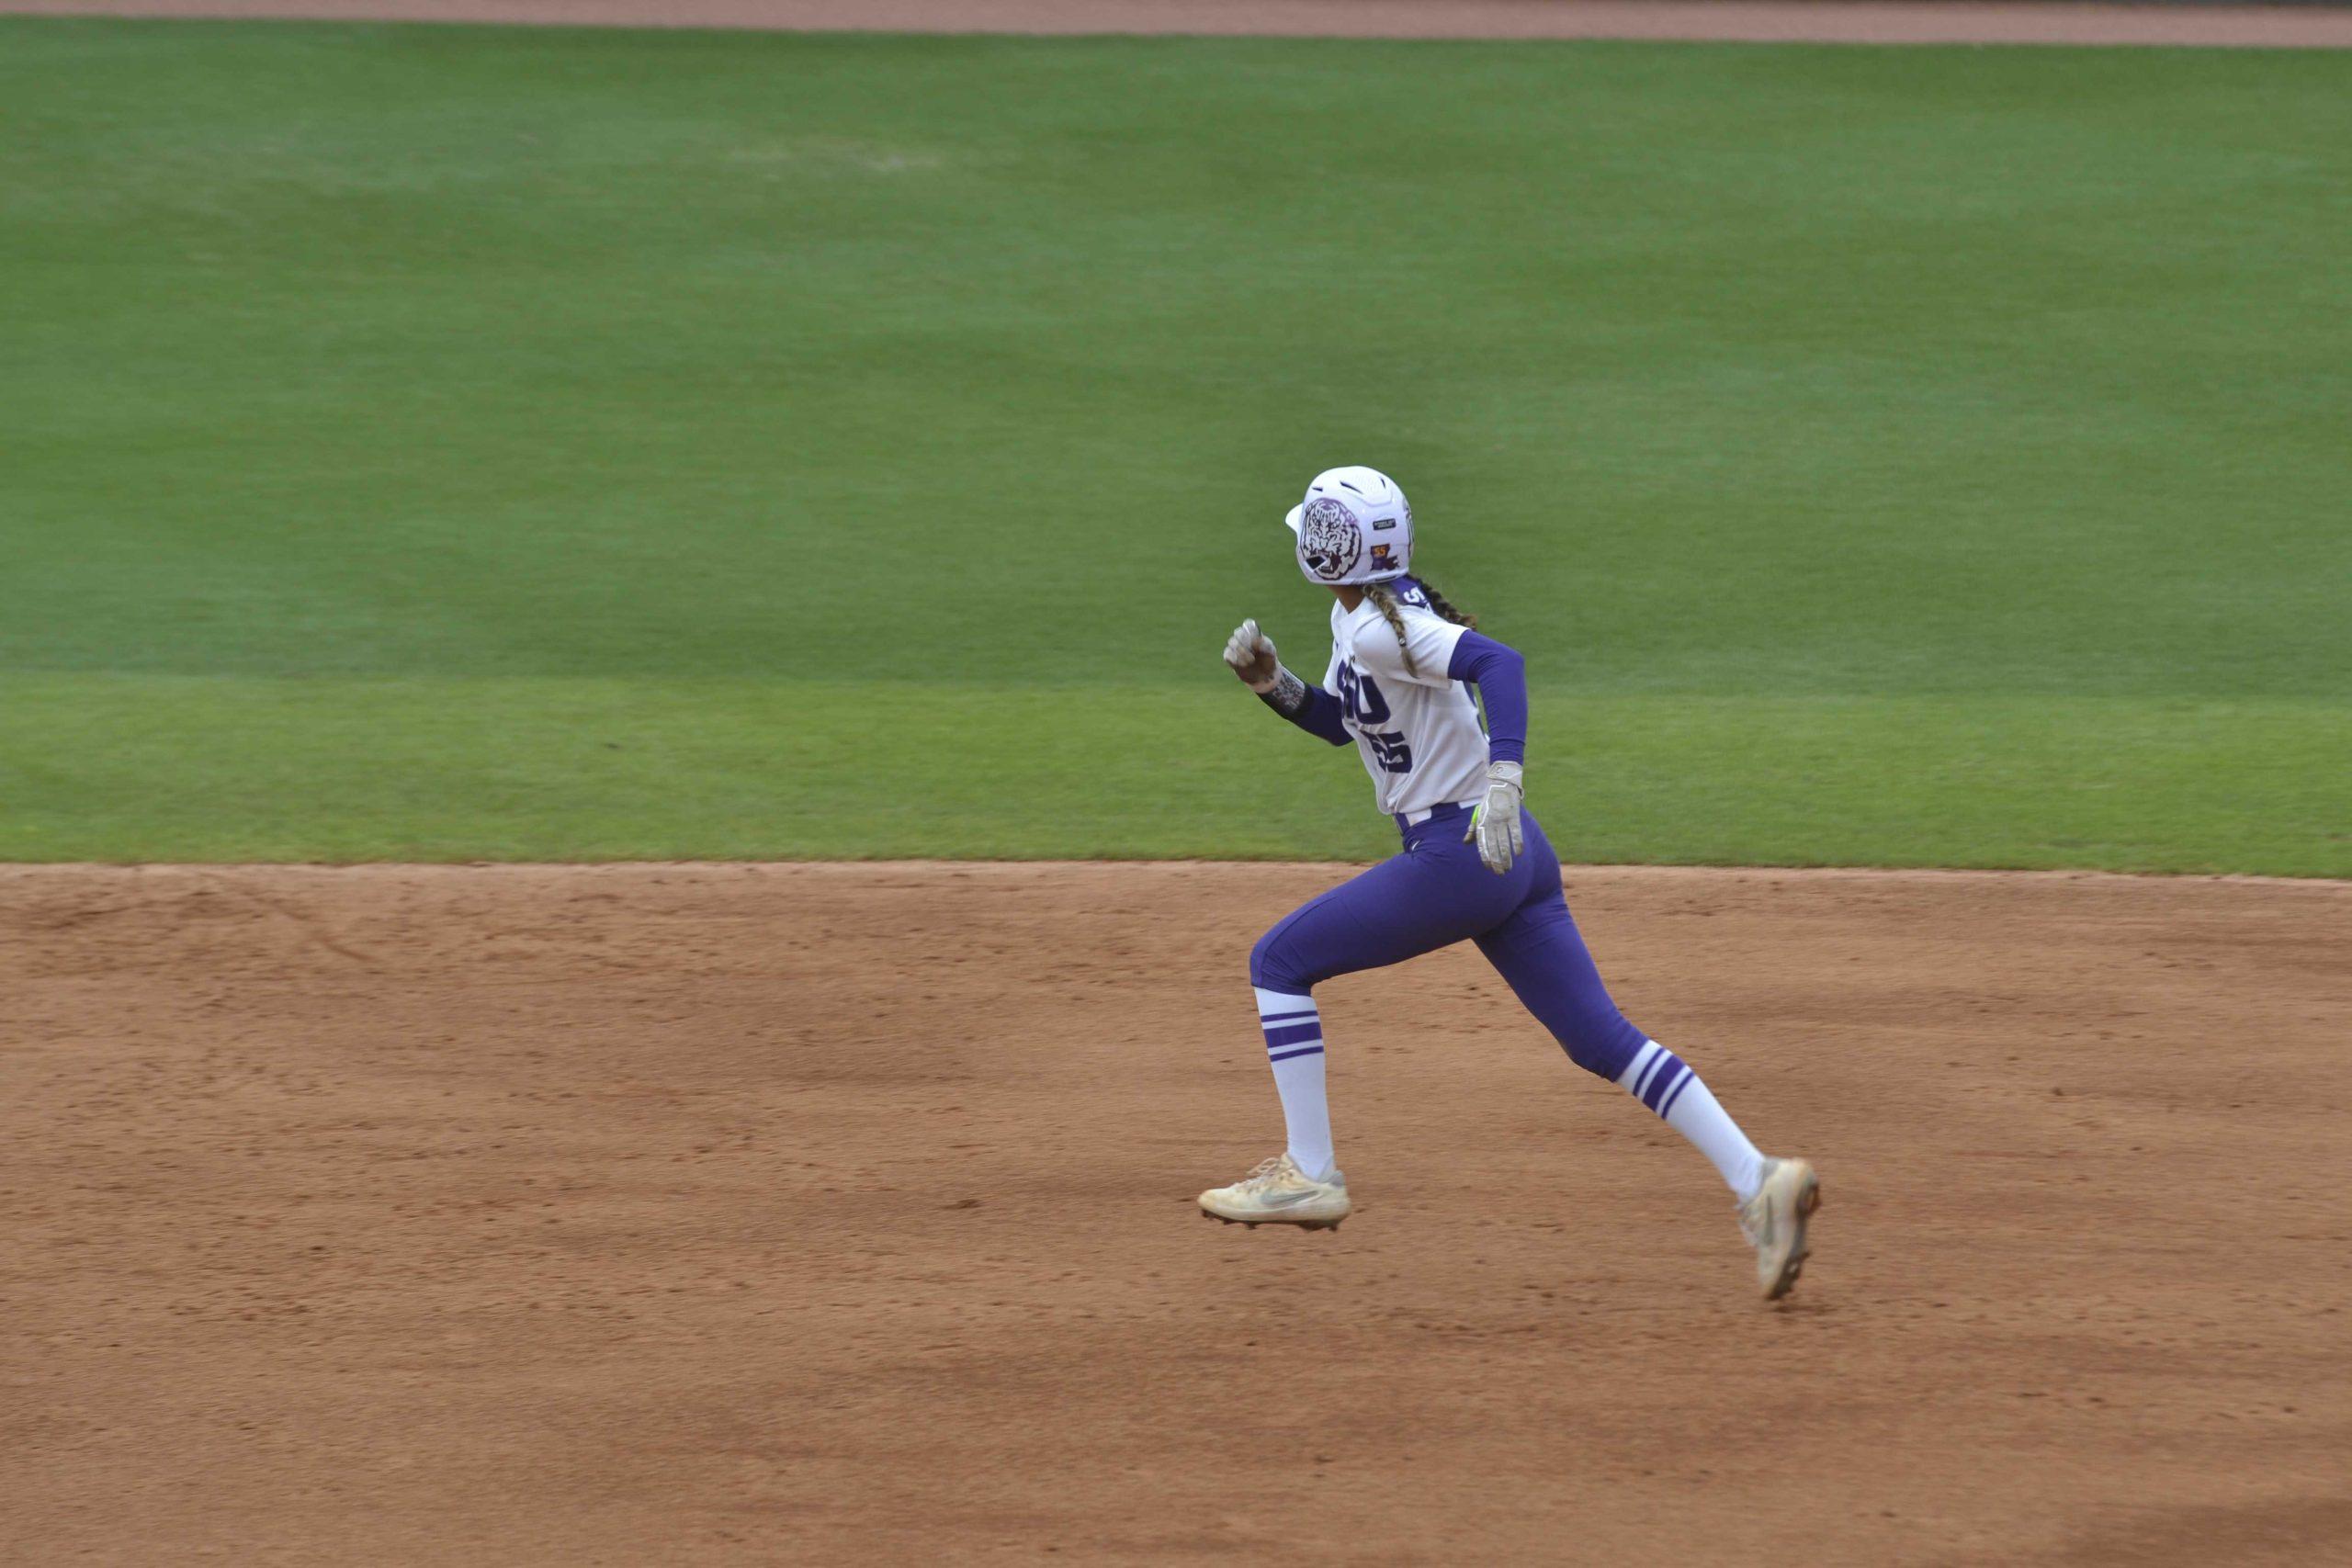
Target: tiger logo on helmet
[(1329, 539)]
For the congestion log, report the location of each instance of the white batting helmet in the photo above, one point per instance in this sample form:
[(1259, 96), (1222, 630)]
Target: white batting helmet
[(1353, 527)]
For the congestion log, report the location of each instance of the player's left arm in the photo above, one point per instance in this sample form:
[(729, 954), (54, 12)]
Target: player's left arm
[(1500, 675)]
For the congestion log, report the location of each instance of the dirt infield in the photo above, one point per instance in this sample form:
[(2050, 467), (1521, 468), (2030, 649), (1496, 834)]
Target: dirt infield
[(1823, 21), (842, 1214)]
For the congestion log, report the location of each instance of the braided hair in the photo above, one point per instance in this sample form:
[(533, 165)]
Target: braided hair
[(1385, 603)]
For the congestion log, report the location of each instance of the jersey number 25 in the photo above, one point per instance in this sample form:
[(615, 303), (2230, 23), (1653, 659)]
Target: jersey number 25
[(1360, 700)]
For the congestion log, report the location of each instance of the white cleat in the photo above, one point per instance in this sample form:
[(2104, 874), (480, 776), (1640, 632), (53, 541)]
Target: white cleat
[(1279, 1193), (1773, 1221)]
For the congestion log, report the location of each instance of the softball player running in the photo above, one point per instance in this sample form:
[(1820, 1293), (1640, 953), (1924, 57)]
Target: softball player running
[(1474, 867)]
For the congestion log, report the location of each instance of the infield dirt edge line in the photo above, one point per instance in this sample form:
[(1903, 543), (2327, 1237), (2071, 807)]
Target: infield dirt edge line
[(15, 869)]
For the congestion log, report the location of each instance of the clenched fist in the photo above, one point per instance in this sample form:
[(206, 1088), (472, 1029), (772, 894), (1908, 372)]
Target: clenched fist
[(1250, 653)]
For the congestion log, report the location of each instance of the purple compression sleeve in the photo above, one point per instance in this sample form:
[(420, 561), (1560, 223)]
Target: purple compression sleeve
[(1500, 675), (1321, 717), (1311, 708)]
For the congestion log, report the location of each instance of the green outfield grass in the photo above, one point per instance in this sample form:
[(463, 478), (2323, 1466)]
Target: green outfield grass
[(430, 443)]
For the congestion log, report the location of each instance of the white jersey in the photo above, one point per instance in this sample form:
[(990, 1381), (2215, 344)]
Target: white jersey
[(1419, 732)]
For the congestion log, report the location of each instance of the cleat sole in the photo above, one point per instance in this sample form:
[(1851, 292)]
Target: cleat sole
[(1808, 1203), (1293, 1225)]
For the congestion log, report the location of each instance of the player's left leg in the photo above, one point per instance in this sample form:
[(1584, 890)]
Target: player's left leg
[(1541, 954), (1431, 896)]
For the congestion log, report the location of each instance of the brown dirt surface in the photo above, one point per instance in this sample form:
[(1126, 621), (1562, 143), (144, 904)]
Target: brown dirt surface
[(842, 1214), (1780, 21)]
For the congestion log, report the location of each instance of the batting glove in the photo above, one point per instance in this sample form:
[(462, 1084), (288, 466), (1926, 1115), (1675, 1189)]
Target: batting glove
[(1494, 821), (1250, 652)]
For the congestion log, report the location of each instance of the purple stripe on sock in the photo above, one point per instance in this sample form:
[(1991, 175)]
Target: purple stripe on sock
[(1293, 1034), (1667, 1105), (1286, 1055), (1650, 1072), (1670, 1077), (1284, 1017)]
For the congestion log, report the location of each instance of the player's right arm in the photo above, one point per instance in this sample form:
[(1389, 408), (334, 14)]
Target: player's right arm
[(1250, 654)]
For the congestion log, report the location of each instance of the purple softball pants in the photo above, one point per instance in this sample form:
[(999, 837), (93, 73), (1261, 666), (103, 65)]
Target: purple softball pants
[(1436, 893)]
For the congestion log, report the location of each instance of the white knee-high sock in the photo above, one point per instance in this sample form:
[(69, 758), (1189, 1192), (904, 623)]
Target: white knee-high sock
[(1295, 1045), (1659, 1079)]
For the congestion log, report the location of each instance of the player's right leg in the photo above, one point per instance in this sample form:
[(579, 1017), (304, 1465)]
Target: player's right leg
[(1541, 954)]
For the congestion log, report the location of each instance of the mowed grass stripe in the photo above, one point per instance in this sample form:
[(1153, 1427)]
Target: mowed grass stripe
[(1918, 456)]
